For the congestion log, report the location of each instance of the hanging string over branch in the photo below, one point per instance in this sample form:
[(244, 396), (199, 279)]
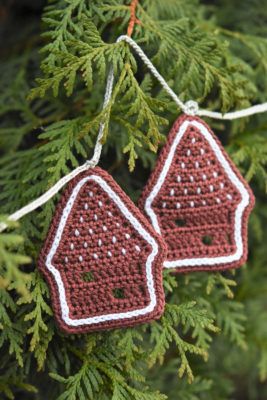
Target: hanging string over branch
[(190, 108)]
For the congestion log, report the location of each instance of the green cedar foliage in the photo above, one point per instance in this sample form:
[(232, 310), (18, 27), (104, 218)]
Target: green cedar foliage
[(211, 342)]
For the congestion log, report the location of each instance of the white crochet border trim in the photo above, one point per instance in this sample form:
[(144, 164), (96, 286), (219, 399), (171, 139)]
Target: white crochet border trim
[(234, 179), (139, 228)]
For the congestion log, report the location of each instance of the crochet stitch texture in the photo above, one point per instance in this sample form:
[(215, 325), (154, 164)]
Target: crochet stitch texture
[(198, 201), (102, 259)]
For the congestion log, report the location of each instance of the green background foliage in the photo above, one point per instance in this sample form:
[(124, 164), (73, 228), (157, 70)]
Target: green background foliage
[(211, 342)]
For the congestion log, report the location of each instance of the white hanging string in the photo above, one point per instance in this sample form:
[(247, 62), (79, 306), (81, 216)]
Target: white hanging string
[(190, 108), (88, 164), (246, 112), (153, 70)]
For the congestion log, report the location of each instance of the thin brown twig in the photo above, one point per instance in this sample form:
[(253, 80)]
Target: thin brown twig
[(133, 19)]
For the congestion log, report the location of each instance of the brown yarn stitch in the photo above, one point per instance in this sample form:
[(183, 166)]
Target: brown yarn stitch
[(102, 258), (196, 204)]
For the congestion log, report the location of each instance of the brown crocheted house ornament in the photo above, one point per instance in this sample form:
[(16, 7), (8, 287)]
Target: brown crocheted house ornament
[(102, 259), (198, 201)]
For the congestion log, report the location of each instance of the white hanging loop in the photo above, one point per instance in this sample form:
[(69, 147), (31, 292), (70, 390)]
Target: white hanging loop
[(190, 108), (63, 181)]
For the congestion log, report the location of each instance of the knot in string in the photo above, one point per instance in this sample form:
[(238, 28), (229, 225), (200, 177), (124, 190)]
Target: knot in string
[(191, 108)]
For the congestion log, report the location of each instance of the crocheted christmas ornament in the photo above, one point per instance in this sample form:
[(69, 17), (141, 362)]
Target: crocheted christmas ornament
[(102, 259), (198, 201)]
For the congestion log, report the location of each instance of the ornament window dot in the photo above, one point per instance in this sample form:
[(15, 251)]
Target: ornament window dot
[(185, 191), (90, 231), (80, 258), (188, 152), (208, 162), (142, 290), (95, 256), (204, 177), (171, 192), (77, 233), (207, 240), (81, 219), (197, 164), (229, 197), (193, 140), (192, 204), (140, 268), (105, 228), (88, 276), (137, 248), (183, 165), (118, 293), (100, 203), (180, 222), (114, 239), (191, 178), (99, 242), (127, 236), (204, 202), (178, 178), (211, 188), (123, 251), (109, 254), (86, 206), (202, 151), (228, 238), (163, 205), (178, 205), (66, 259), (72, 246), (198, 190), (109, 214), (218, 200), (85, 245), (215, 174), (91, 194), (221, 185)]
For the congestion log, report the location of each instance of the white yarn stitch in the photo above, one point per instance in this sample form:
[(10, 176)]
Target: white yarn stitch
[(190, 108)]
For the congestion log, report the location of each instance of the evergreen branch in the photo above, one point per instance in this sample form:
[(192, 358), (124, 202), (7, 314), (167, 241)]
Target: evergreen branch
[(10, 331), (7, 385), (250, 152), (130, 350), (231, 320), (10, 262), (262, 364), (258, 46), (220, 279), (163, 335), (41, 333)]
